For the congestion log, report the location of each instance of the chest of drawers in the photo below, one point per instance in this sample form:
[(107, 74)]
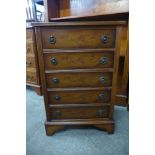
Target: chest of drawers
[(32, 69), (78, 62)]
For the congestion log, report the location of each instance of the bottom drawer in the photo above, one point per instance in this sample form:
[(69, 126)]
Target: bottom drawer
[(31, 77), (79, 112)]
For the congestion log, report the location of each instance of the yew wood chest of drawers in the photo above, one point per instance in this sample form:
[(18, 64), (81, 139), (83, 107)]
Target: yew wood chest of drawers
[(32, 68), (78, 62)]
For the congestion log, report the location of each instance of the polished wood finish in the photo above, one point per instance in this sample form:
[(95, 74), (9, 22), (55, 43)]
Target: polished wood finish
[(92, 10), (89, 10), (123, 72), (97, 17), (79, 96), (78, 38), (81, 112), (29, 48), (36, 88), (80, 23), (121, 100), (104, 124), (50, 130), (51, 9), (30, 62), (29, 35), (91, 7), (78, 105), (108, 127), (80, 121), (116, 63), (32, 69), (41, 69), (78, 59), (79, 79), (31, 76), (72, 97), (82, 8)]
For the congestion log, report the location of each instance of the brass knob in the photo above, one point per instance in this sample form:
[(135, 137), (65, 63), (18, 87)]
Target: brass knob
[(103, 60), (28, 50), (28, 63), (57, 113), (57, 97), (104, 38), (54, 61), (100, 113), (102, 79), (101, 96), (55, 80), (52, 39)]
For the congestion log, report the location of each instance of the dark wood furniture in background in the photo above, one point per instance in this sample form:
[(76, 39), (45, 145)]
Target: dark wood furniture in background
[(32, 69), (93, 10), (78, 64), (64, 9)]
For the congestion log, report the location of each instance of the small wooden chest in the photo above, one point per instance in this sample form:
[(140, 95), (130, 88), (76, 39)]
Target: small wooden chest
[(78, 62)]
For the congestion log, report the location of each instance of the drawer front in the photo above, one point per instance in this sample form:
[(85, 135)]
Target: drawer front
[(74, 60), (80, 112), (31, 77), (29, 35), (29, 48), (78, 38), (79, 97), (78, 79), (30, 61)]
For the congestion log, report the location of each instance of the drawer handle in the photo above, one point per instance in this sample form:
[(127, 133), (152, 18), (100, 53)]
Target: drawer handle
[(28, 63), (54, 61), (101, 96), (57, 113), (104, 39), (100, 113), (103, 60), (52, 39), (102, 79), (28, 50), (55, 80), (57, 97)]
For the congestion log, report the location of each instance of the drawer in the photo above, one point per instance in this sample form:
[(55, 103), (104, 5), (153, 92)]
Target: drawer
[(31, 77), (78, 60), (78, 79), (30, 61), (29, 35), (78, 38), (80, 112), (79, 96), (29, 48)]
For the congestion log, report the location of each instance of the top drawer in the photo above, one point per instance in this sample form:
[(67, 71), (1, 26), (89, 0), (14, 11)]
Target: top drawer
[(78, 38)]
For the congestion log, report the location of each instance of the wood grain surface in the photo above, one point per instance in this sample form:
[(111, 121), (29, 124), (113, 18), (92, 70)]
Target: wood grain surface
[(78, 38), (78, 60), (79, 96), (31, 77), (72, 86), (75, 113), (79, 79), (30, 61), (32, 69), (29, 49)]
